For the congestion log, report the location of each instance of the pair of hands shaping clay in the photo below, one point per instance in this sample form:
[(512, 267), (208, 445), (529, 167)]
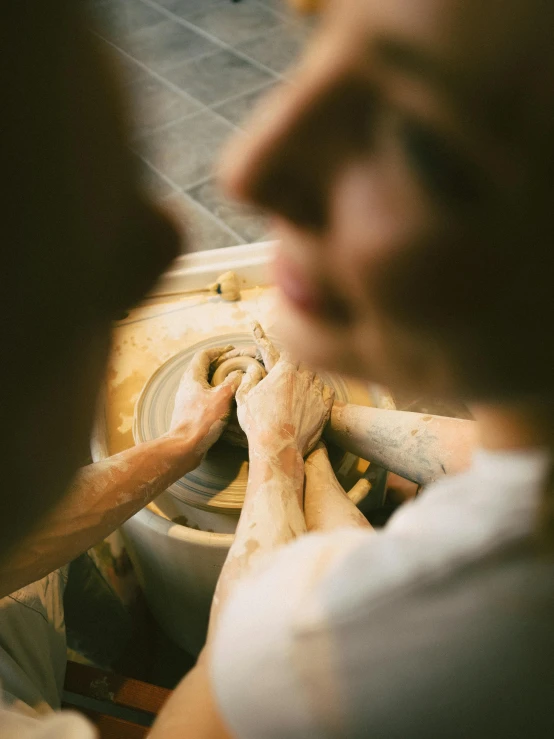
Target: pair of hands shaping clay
[(304, 399)]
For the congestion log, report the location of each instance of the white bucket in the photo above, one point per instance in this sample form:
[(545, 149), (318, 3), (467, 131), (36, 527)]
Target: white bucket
[(177, 568)]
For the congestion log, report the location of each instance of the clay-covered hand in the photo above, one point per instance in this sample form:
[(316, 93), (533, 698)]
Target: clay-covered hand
[(289, 406), (201, 411)]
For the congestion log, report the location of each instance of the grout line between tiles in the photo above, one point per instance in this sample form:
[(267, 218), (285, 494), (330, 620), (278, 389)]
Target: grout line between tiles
[(284, 14), (162, 126), (206, 34), (256, 37), (230, 47), (190, 199), (278, 77), (175, 187), (253, 62), (202, 107), (153, 73), (240, 239), (199, 183), (197, 58), (174, 87), (258, 88)]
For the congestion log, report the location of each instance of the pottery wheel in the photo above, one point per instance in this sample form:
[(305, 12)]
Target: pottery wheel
[(219, 483)]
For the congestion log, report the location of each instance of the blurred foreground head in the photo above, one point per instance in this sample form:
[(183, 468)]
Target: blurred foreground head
[(409, 171), (80, 241)]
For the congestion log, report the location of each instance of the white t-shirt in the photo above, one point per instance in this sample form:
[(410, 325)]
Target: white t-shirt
[(439, 625)]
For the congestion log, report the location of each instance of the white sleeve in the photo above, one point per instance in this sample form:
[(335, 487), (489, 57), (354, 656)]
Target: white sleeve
[(265, 681), (64, 725)]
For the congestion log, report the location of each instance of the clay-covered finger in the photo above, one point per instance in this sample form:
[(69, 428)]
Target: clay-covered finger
[(200, 363), (232, 380), (270, 355), (328, 395), (250, 379), (318, 383), (308, 374), (241, 351)]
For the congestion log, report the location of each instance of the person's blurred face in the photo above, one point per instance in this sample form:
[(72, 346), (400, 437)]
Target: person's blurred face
[(405, 171)]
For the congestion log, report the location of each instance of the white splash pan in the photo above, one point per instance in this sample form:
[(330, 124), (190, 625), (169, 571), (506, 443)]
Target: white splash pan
[(177, 566)]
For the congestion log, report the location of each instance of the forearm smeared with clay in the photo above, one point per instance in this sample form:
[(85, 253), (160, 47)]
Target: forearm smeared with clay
[(271, 516), (282, 415), (418, 446), (106, 494), (101, 498)]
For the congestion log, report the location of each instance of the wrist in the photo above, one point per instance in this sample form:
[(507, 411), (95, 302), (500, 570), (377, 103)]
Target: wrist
[(182, 445), (318, 458), (267, 445), (282, 456)]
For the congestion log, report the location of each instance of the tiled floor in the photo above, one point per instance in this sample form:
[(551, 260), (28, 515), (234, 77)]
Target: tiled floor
[(194, 69)]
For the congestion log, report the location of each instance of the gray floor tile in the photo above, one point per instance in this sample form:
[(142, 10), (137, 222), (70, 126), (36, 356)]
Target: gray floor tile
[(234, 22), (100, 13), (201, 229), (127, 68), (242, 220), (119, 18), (156, 104), (181, 143), (238, 110), (131, 72), (281, 7), (213, 79), (166, 45), (278, 50), (186, 151), (153, 183), (186, 8)]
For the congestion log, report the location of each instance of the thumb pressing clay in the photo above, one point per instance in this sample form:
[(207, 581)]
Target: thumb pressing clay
[(230, 365)]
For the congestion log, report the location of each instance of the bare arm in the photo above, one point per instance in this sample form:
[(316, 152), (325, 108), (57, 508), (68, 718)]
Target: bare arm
[(102, 497), (191, 710), (326, 505), (417, 446), (271, 516), (280, 432), (282, 416), (105, 494)]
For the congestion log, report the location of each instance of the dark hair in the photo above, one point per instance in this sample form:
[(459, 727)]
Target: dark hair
[(66, 269)]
